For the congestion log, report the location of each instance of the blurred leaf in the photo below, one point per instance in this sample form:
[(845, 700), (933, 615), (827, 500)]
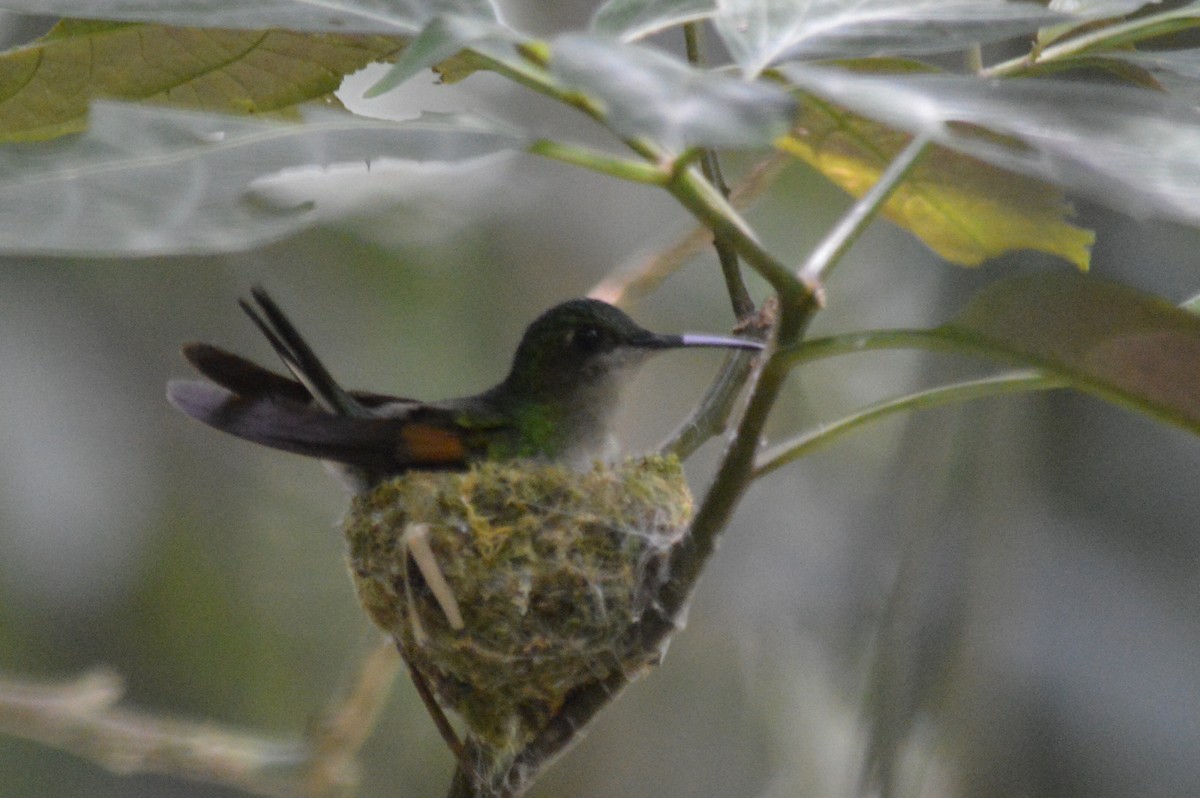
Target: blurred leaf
[(1125, 33), (760, 33), (1184, 63), (649, 93), (1134, 150), (443, 37), (145, 181), (46, 86), (964, 210), (1099, 9), (1086, 12), (1127, 347), (333, 16), (1123, 71), (628, 20)]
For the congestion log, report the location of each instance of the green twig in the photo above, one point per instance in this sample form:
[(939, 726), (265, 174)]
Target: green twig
[(707, 204), (712, 414), (835, 243), (624, 168), (710, 165), (873, 340), (688, 186), (826, 434), (1104, 38)]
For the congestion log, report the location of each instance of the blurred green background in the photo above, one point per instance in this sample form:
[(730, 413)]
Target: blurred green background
[(1005, 595)]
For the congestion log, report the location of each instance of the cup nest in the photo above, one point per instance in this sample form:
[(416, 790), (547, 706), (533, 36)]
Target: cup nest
[(511, 584)]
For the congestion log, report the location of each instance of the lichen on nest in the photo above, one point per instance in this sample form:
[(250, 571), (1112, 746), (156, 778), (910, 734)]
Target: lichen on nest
[(548, 572)]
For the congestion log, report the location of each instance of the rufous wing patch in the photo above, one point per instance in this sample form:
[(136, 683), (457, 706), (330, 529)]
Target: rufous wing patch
[(427, 443)]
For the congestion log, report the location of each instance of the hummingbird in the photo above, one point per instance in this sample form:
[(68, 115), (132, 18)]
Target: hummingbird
[(556, 404)]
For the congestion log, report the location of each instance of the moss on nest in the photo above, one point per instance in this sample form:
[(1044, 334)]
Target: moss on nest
[(549, 567)]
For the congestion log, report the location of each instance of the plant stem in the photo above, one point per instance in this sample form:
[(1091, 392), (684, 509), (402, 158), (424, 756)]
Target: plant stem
[(635, 279), (710, 165), (1108, 37), (634, 171), (835, 243), (705, 202), (957, 393), (689, 187)]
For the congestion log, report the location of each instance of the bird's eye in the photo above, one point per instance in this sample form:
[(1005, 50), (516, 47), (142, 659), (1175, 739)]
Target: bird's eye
[(587, 339)]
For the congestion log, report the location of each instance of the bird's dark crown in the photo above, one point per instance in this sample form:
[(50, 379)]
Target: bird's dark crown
[(570, 336)]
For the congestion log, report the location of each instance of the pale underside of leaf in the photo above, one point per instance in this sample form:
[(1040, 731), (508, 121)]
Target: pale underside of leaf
[(647, 92), (1087, 138), (630, 20), (45, 88), (149, 181), (388, 17), (760, 33)]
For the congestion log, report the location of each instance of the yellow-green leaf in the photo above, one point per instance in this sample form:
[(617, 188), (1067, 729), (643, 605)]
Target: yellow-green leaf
[(964, 210), (45, 87)]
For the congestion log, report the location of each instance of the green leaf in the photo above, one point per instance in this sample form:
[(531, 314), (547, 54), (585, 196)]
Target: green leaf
[(45, 87), (332, 16), (760, 33), (1134, 150), (144, 180), (1123, 345), (964, 210), (646, 92), (629, 20), (1181, 63)]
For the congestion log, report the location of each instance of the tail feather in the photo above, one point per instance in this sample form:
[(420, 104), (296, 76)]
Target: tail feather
[(379, 445), (239, 375), (298, 356), (374, 434), (371, 444)]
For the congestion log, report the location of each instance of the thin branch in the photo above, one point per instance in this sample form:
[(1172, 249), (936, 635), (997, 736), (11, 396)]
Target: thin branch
[(688, 186), (733, 476), (869, 341), (440, 721), (710, 165), (957, 393), (708, 205), (640, 277), (82, 718), (1118, 34), (835, 243), (634, 171), (712, 413), (347, 723)]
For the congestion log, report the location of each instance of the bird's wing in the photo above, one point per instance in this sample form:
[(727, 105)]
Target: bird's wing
[(386, 445)]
